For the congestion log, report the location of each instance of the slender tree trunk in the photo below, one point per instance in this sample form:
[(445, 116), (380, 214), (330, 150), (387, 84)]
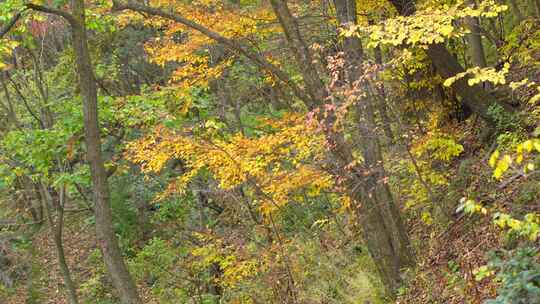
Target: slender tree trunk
[(385, 233), (382, 106), (10, 111), (474, 39), (214, 270), (476, 49), (112, 255), (45, 110), (33, 197), (516, 10), (57, 229), (314, 85)]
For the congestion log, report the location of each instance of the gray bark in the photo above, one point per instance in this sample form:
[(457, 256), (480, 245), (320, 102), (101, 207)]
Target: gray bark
[(384, 231), (105, 234)]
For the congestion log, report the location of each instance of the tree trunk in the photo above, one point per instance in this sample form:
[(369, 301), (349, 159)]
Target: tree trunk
[(214, 270), (112, 255), (10, 110), (474, 39), (475, 97), (472, 96), (56, 229), (384, 231), (314, 85), (382, 106), (516, 10)]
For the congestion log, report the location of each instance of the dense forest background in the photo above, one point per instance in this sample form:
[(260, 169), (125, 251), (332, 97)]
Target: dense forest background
[(254, 151)]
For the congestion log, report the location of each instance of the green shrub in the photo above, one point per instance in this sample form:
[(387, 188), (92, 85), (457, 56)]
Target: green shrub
[(519, 275)]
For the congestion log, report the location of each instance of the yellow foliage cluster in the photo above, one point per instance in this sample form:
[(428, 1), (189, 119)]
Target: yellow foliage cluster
[(502, 163), (275, 166), (529, 84), (528, 227), (189, 47), (435, 147), (439, 146), (412, 62), (6, 48), (234, 269), (429, 25), (478, 75)]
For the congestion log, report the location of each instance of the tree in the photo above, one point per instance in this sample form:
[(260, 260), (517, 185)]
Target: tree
[(107, 240), (475, 97), (384, 231)]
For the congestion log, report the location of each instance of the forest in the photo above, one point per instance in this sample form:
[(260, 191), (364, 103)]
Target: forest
[(270, 151)]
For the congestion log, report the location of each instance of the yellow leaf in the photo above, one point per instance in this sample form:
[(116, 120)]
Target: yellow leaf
[(528, 145), (446, 30), (530, 167), (448, 82), (493, 159), (536, 145)]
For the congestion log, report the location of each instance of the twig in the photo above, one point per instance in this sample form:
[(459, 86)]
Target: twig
[(7, 27)]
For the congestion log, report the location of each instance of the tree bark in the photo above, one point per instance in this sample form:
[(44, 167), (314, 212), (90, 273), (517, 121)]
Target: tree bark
[(474, 97), (382, 106), (107, 240), (385, 233), (57, 229), (9, 108), (476, 48), (314, 85)]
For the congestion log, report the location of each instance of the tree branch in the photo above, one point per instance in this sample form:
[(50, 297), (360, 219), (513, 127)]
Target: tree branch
[(48, 10), (52, 11), (229, 43), (7, 27)]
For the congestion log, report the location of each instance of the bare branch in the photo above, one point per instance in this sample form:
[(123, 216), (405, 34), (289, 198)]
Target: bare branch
[(48, 10), (52, 11)]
